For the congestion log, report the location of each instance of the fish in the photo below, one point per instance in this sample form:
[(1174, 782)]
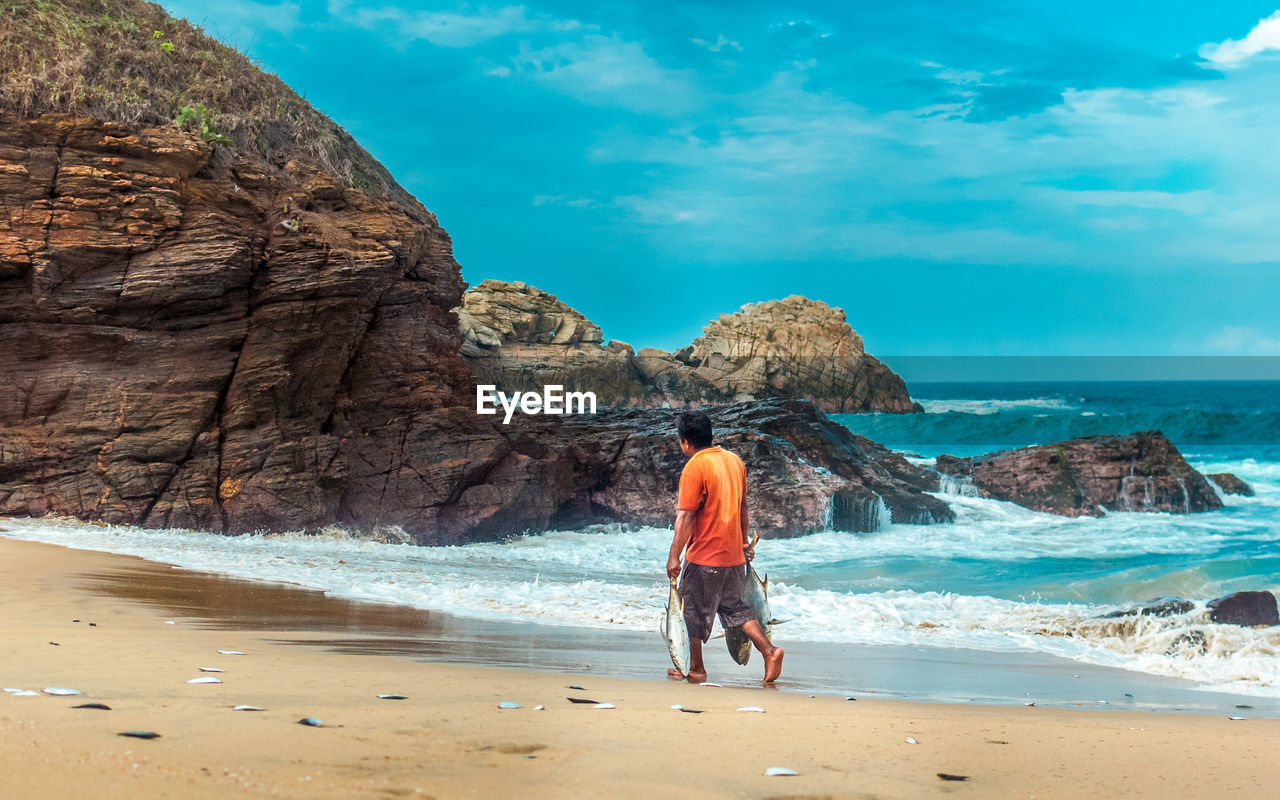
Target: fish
[(56, 692), (780, 772), (756, 596), (98, 706), (675, 631), (140, 734), (739, 645), (209, 679), (392, 697), (247, 708)]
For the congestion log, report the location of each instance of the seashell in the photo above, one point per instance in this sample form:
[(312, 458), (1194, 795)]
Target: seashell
[(912, 740), (208, 669), (140, 734), (206, 679), (56, 692), (780, 772), (539, 708)]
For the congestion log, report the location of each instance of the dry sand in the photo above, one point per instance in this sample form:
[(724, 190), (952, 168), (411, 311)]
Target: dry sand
[(450, 739)]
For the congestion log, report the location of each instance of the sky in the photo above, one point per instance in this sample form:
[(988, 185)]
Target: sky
[(976, 178)]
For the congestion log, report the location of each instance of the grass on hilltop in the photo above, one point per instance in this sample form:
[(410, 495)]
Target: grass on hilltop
[(129, 62)]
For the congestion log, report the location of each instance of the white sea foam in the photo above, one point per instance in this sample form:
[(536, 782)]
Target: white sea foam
[(985, 407), (607, 580)]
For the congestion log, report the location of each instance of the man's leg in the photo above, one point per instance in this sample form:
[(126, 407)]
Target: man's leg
[(772, 655), (697, 670)]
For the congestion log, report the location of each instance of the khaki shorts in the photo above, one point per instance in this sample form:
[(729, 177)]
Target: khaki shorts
[(708, 591)]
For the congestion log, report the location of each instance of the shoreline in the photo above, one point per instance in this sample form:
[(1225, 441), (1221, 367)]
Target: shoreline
[(449, 738), (931, 674)]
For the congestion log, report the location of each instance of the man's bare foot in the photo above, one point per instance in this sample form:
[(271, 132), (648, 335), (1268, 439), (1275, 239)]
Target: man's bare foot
[(773, 665), (697, 677), (675, 674)]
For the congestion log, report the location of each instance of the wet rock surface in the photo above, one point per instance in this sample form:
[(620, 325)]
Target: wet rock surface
[(1137, 472), (1230, 484), (1245, 608)]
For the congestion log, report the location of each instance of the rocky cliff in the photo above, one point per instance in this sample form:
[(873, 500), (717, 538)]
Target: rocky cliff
[(520, 338), (1087, 476), (226, 316)]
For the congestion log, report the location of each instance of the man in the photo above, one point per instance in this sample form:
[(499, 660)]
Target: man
[(711, 532)]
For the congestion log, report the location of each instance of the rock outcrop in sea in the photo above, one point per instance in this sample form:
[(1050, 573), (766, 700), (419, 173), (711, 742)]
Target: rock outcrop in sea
[(519, 338), (218, 312), (1139, 472)]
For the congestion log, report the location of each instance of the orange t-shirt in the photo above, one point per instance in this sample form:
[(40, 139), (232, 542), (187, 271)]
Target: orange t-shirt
[(713, 483)]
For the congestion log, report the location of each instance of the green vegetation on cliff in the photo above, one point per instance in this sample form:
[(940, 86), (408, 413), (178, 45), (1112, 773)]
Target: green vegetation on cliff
[(129, 62)]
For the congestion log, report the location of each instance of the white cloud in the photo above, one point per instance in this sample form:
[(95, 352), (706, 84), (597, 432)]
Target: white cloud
[(1242, 340), (448, 28), (1233, 52), (719, 44), (609, 71)]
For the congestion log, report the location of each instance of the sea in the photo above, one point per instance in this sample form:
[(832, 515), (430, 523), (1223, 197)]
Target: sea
[(1001, 578)]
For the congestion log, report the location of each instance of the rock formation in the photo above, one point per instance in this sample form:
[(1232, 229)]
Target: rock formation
[(805, 473), (251, 328), (1245, 608), (518, 338), (1139, 472), (1230, 484), (795, 348)]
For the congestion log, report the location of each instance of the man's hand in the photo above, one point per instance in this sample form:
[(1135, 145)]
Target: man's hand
[(673, 567), (749, 550)]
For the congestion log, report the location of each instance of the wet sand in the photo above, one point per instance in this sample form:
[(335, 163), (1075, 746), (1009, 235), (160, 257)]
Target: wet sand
[(450, 739)]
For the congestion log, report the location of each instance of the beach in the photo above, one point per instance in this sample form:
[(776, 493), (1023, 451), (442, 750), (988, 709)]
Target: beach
[(449, 738)]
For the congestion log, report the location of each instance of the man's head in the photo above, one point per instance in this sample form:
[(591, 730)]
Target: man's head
[(694, 428)]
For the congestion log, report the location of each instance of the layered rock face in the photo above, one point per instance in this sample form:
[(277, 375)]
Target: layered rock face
[(520, 338), (1139, 472), (198, 338), (805, 473)]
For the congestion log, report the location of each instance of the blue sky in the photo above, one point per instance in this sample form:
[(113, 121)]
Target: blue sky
[(962, 178)]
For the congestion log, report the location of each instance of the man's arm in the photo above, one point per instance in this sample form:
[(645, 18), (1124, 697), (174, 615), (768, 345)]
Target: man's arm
[(746, 528), (684, 529)]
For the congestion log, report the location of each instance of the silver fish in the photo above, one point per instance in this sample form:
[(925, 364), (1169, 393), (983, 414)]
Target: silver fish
[(739, 644), (756, 595), (675, 631)]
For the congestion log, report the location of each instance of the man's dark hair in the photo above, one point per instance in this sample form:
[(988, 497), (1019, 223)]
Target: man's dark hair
[(695, 428)]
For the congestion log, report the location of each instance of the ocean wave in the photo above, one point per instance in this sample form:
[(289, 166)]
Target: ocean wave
[(984, 407)]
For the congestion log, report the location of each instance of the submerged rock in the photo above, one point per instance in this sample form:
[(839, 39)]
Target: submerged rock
[(1087, 476), (1159, 607), (1245, 608)]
